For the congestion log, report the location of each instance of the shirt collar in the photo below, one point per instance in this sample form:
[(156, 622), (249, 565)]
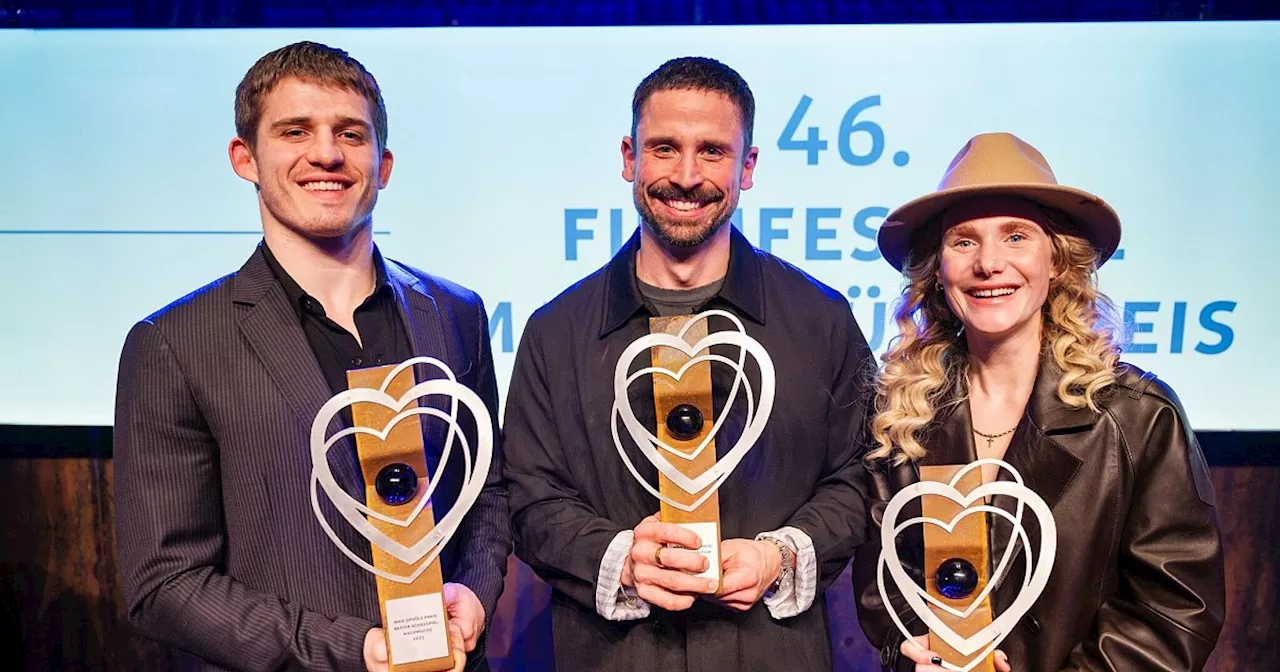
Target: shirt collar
[(743, 284), (303, 302)]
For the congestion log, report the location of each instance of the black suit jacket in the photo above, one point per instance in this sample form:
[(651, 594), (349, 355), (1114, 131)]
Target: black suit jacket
[(220, 551)]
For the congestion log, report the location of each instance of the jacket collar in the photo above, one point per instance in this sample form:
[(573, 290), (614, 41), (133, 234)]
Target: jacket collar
[(255, 283), (1044, 449), (271, 326), (256, 278), (743, 284)]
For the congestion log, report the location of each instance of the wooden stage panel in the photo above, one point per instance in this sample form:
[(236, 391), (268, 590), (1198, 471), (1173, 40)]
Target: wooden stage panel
[(61, 607)]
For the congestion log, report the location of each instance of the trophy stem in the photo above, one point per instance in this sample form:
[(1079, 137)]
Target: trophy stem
[(414, 617), (961, 558), (685, 420)]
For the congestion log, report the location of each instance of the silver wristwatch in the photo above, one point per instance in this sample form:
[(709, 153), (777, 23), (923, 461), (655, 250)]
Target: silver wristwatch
[(788, 571)]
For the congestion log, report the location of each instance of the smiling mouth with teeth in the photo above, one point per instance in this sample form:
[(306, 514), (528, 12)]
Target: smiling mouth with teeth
[(992, 293), (683, 206), (324, 186)]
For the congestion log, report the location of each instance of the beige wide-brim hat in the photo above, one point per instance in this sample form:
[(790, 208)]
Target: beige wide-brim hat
[(1000, 164)]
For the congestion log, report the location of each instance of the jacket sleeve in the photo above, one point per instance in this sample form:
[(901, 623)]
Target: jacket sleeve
[(484, 538), (1168, 609), (835, 517), (873, 613), (172, 537), (557, 533)]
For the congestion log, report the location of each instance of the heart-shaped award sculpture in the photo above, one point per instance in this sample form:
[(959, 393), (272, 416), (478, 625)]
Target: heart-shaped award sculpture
[(955, 603), (683, 446), (398, 521)]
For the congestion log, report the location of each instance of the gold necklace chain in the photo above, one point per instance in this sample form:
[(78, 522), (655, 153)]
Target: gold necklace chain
[(992, 437)]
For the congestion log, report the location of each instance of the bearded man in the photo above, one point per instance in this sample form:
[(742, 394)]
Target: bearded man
[(626, 590)]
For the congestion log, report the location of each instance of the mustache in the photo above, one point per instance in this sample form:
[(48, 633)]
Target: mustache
[(703, 193)]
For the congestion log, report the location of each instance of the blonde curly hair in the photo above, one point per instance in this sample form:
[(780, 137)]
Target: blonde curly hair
[(926, 366)]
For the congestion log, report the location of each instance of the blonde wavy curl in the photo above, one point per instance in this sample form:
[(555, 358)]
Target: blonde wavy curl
[(926, 366)]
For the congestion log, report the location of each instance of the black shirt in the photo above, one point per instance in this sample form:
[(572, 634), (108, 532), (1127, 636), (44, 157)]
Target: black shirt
[(383, 338)]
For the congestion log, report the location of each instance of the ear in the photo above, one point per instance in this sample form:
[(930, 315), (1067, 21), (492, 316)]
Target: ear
[(1056, 265), (628, 159), (242, 160), (384, 168), (749, 168)]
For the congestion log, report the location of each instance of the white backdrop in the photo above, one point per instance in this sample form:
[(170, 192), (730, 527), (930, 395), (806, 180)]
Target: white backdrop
[(117, 197)]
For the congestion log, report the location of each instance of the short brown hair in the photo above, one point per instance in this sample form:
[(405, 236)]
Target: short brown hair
[(698, 74), (312, 62)]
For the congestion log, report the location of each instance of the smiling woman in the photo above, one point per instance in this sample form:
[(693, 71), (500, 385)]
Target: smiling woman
[(1004, 353), (994, 267), (996, 264)]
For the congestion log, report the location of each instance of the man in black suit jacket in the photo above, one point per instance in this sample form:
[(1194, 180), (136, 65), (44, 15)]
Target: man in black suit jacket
[(220, 552)]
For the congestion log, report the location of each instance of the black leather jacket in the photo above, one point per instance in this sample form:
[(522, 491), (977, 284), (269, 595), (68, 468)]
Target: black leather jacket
[(1137, 584)]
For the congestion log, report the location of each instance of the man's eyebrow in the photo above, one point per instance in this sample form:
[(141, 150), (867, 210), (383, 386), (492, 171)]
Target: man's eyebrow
[(347, 122), (657, 140), (307, 122), (292, 121)]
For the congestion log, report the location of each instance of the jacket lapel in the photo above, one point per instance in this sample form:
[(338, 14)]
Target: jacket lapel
[(427, 335), (1039, 451), (950, 440), (271, 327), (1039, 447), (421, 316), (1043, 450), (951, 443), (1046, 465)]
